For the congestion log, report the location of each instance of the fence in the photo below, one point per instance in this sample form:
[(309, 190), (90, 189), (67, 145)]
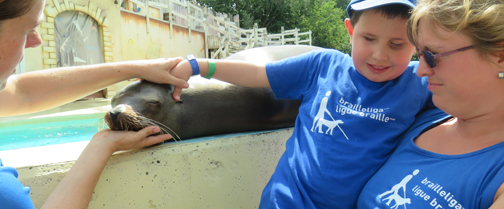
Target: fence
[(222, 32)]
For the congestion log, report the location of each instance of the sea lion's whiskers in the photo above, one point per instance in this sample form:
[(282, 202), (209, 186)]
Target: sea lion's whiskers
[(122, 126), (161, 129), (101, 125), (125, 126), (169, 131), (161, 126)]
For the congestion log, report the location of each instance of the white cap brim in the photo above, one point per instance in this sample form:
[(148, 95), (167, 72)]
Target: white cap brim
[(375, 3)]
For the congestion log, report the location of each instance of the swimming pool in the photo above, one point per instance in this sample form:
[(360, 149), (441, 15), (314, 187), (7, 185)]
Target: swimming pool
[(47, 133)]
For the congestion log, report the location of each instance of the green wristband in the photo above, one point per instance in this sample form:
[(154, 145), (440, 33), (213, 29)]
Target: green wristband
[(211, 69)]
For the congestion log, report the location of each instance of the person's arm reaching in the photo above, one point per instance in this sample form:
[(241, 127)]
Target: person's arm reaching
[(76, 188), (41, 90), (233, 71)]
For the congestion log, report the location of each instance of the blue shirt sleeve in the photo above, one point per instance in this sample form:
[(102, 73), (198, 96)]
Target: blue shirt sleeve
[(12, 193), (290, 78)]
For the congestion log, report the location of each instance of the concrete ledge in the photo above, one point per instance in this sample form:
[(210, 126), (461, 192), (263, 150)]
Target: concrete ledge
[(227, 171)]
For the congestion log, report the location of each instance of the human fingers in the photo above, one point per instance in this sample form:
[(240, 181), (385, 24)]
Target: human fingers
[(148, 139), (142, 138), (160, 71), (176, 93), (174, 61), (182, 70), (172, 77), (178, 82)]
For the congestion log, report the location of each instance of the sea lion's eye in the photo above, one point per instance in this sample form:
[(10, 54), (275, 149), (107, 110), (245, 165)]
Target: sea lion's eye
[(154, 102)]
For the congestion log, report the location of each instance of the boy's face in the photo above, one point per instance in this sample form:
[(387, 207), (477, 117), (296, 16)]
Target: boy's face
[(380, 47)]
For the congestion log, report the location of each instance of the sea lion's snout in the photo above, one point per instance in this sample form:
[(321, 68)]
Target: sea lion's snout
[(113, 115), (122, 117)]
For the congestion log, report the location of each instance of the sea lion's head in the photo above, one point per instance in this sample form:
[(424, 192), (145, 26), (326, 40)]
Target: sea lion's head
[(140, 104)]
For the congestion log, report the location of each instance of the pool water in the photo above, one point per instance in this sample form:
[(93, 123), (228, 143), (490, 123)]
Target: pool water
[(50, 133)]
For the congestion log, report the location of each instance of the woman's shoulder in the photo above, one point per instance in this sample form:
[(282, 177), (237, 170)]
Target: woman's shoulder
[(426, 120)]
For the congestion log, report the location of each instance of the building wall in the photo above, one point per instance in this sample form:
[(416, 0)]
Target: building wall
[(138, 44), (124, 36)]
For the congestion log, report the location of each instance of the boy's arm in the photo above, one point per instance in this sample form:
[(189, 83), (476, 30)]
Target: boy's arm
[(233, 71)]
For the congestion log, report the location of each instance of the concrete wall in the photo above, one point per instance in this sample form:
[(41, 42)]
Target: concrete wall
[(137, 44), (211, 172)]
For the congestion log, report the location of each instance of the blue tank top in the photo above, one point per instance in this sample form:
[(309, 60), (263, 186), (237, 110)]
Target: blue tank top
[(416, 178)]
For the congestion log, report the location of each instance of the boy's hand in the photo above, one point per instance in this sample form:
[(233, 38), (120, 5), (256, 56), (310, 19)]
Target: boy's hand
[(182, 71), (159, 71)]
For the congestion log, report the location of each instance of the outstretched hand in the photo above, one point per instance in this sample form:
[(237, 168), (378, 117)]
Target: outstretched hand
[(160, 71), (76, 188), (182, 71), (126, 140), (173, 71)]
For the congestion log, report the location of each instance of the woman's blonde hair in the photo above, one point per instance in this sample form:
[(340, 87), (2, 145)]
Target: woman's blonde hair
[(481, 20)]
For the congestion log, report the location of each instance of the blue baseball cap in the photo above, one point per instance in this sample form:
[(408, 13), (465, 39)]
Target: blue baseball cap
[(358, 5)]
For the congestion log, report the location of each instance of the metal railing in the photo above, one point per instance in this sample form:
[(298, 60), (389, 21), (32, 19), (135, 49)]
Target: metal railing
[(223, 27)]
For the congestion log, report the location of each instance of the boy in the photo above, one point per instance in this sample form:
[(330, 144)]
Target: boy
[(353, 108)]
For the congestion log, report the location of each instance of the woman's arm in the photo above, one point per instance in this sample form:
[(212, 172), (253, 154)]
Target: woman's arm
[(45, 89), (499, 198), (77, 186), (237, 72)]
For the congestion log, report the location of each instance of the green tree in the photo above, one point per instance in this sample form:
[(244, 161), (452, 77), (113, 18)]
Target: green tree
[(323, 17), (326, 21), (266, 13), (342, 4)]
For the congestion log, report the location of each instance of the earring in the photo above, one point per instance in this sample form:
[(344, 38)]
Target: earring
[(501, 75)]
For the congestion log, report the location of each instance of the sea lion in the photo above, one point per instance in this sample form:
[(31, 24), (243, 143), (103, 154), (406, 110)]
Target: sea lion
[(209, 107)]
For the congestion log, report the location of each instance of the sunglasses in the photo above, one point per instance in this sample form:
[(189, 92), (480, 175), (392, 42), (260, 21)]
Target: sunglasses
[(430, 57)]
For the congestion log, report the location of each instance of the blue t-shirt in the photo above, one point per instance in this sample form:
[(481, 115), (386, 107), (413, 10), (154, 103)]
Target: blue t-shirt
[(346, 128), (13, 195), (415, 178)]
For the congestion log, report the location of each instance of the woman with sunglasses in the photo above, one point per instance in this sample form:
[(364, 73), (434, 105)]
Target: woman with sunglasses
[(451, 157)]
